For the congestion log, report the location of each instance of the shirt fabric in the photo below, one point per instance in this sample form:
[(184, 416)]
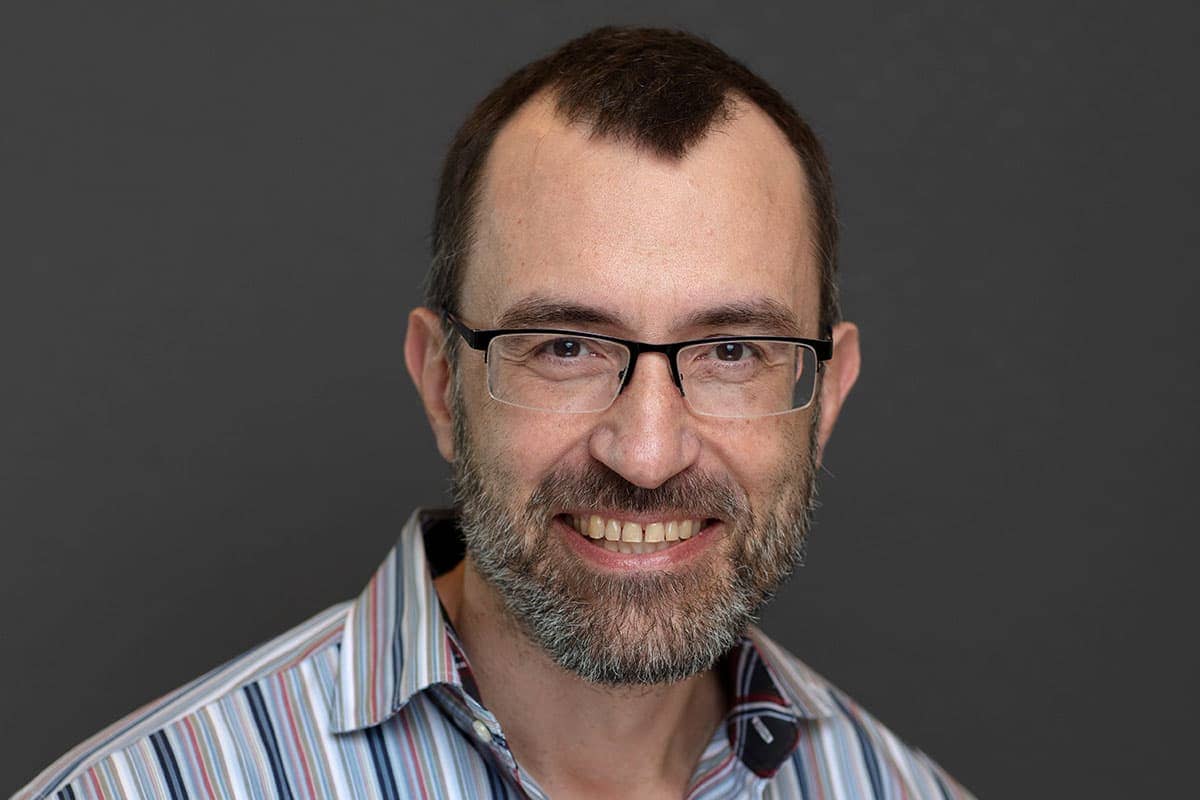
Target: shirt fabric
[(375, 698)]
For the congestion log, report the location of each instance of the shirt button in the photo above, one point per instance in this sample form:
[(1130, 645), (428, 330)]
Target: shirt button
[(482, 731)]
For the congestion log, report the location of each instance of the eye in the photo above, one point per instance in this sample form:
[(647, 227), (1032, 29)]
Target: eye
[(730, 351), (566, 348)]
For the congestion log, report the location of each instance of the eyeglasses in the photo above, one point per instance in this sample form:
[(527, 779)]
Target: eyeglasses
[(578, 373)]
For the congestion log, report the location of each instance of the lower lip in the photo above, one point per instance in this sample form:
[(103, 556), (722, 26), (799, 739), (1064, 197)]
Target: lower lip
[(676, 554)]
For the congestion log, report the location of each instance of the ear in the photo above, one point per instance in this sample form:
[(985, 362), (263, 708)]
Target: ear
[(430, 370), (837, 377)]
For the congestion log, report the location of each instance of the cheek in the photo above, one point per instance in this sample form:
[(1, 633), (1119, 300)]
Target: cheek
[(539, 442), (761, 455), (518, 445)]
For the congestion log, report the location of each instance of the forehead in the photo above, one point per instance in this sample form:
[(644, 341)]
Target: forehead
[(653, 240)]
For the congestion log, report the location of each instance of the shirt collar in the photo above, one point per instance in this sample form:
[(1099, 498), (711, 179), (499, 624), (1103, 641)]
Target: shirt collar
[(396, 643), (772, 697), (804, 691)]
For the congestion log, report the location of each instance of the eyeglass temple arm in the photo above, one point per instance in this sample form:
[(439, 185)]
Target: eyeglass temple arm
[(470, 335), (825, 352)]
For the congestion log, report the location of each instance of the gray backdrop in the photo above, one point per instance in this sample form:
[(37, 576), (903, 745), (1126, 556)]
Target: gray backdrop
[(214, 219)]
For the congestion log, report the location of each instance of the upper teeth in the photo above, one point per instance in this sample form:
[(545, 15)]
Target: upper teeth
[(614, 530)]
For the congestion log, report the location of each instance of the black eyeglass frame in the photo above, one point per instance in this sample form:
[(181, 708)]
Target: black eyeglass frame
[(480, 339)]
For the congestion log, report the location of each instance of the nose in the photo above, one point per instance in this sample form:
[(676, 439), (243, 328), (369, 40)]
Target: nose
[(646, 436)]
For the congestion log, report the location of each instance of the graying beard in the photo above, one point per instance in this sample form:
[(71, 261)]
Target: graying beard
[(576, 616)]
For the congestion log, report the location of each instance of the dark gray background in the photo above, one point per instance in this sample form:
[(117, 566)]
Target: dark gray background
[(214, 222)]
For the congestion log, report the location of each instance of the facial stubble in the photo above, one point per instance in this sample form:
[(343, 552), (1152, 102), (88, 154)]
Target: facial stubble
[(628, 630)]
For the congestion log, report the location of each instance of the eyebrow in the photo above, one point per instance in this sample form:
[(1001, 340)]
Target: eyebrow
[(539, 311), (762, 315)]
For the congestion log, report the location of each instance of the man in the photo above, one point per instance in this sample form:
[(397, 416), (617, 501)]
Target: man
[(633, 356)]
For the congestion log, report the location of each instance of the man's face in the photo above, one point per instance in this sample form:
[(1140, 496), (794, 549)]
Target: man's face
[(594, 235)]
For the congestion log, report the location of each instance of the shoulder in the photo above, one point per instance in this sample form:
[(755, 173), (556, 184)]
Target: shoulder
[(132, 757), (844, 745)]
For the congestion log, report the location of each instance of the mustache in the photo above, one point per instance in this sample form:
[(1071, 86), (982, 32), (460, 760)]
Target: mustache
[(598, 486)]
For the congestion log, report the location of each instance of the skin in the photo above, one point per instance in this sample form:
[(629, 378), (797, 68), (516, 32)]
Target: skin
[(652, 241)]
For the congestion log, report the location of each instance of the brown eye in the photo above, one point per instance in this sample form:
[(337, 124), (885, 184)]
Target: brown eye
[(565, 348), (730, 351)]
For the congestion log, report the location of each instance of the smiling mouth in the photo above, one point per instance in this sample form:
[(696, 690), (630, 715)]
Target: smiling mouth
[(625, 536)]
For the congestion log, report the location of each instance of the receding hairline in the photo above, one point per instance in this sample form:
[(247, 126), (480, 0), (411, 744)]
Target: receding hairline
[(544, 111), (736, 105)]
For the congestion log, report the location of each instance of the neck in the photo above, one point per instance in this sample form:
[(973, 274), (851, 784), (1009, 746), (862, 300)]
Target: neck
[(576, 738)]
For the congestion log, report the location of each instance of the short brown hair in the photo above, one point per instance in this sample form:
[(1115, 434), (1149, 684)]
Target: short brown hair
[(662, 90)]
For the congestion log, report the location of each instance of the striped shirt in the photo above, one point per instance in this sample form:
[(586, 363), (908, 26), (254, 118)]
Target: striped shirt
[(375, 699)]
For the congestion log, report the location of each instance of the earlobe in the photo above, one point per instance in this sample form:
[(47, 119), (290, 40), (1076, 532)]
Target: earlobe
[(838, 378), (430, 370)]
